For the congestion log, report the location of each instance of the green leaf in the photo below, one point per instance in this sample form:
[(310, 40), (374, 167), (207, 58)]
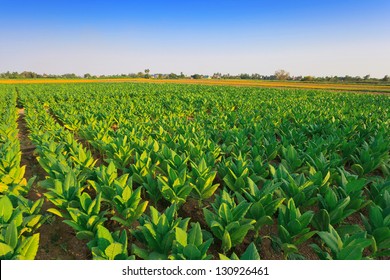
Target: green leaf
[(113, 250), (376, 218), (6, 209), (284, 234), (181, 236), (382, 237), (209, 216), (85, 201), (29, 247), (238, 236), (195, 235), (126, 194), (303, 238), (250, 253), (355, 186), (192, 252), (326, 179), (358, 169), (5, 251), (222, 257), (139, 252), (11, 235), (226, 242), (104, 238), (55, 212), (306, 218), (351, 253), (225, 213), (332, 239), (294, 227), (321, 220), (289, 248), (240, 210), (85, 234)]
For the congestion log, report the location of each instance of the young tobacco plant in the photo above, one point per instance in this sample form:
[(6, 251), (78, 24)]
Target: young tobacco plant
[(263, 206), (346, 247), (191, 245), (202, 178), (151, 186), (291, 159), (293, 228), (86, 218), (142, 167), (105, 177), (63, 193), (295, 186), (377, 225), (120, 152), (227, 220), (109, 246), (175, 186), (235, 173), (157, 232), (127, 202), (17, 226)]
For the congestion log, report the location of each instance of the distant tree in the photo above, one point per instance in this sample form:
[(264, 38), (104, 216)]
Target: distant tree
[(182, 76), (256, 76), (308, 78), (197, 76), (140, 75), (347, 78), (386, 78), (216, 75), (282, 74), (147, 71), (173, 76), (366, 77), (69, 76), (245, 76), (87, 76)]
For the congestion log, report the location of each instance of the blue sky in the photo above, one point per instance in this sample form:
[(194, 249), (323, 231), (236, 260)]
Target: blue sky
[(107, 37)]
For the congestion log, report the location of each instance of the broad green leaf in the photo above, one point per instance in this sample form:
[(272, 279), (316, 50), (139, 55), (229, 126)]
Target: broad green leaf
[(226, 242), (375, 215), (181, 236), (11, 235), (192, 252), (104, 238), (5, 251), (250, 253), (195, 235), (6, 209), (29, 247), (113, 250), (332, 239)]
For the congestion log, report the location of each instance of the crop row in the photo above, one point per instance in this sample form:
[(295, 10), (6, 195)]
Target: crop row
[(20, 218)]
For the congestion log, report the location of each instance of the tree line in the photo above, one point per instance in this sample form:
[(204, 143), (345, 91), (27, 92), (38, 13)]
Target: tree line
[(278, 75)]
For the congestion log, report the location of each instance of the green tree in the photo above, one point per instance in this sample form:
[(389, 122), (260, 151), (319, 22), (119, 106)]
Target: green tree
[(147, 71), (282, 74)]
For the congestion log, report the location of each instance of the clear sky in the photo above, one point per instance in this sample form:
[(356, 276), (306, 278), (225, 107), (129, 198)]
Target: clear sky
[(110, 37)]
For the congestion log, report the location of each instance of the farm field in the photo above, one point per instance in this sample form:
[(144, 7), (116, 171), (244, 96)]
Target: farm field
[(188, 171), (355, 87)]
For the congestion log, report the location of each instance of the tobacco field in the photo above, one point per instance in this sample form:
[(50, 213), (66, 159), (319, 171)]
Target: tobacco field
[(190, 172)]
